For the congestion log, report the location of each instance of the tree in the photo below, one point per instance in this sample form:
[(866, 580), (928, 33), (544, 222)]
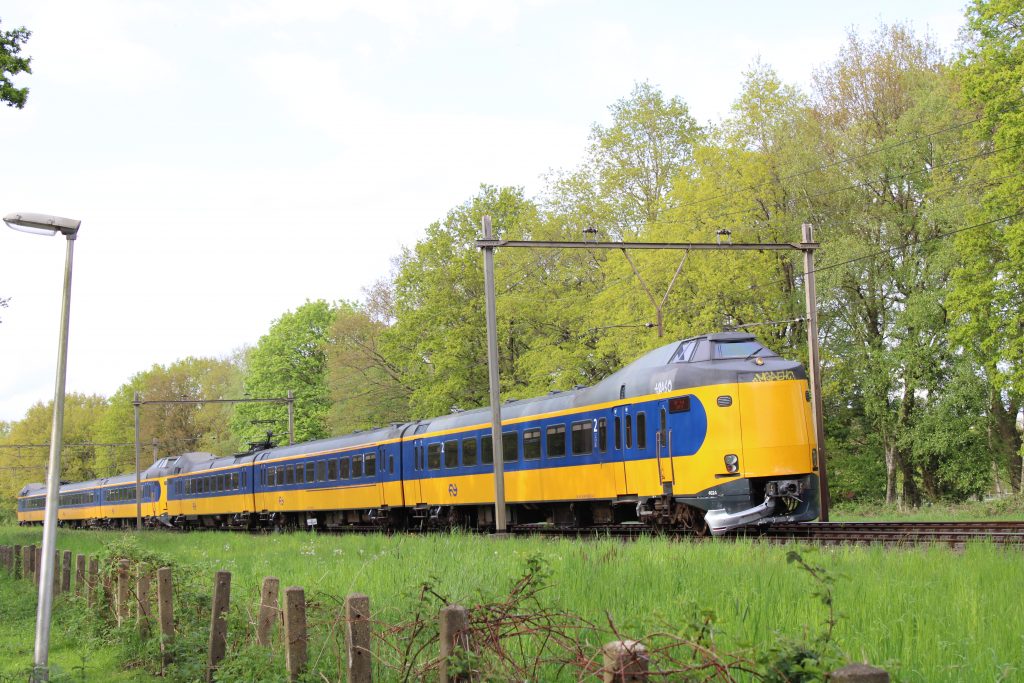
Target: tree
[(11, 64), (884, 314), (176, 428), (292, 356), (987, 296), (28, 463), (367, 388), (631, 164)]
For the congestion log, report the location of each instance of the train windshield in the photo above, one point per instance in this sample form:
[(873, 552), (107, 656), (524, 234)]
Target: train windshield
[(747, 348)]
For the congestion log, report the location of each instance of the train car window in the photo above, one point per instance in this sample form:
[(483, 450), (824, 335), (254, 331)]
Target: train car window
[(556, 441), (583, 437), (618, 433), (332, 469), (469, 452), (370, 464), (221, 483), (701, 352), (271, 476), (531, 444), (289, 475), (357, 466), (234, 480), (243, 479), (510, 446), (300, 473), (434, 456), (343, 468), (310, 472), (486, 450), (629, 431), (451, 454), (321, 471), (391, 459), (682, 354), (641, 430), (602, 435), (663, 430), (747, 348)]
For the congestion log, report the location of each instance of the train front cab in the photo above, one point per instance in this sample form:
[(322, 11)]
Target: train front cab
[(765, 470)]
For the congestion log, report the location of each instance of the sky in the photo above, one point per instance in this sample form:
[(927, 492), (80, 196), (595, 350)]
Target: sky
[(230, 160)]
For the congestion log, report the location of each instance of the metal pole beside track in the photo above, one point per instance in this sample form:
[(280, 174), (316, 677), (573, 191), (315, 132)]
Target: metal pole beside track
[(493, 381), (814, 360), (138, 475)]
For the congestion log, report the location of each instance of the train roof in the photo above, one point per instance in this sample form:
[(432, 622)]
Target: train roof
[(336, 443), (81, 485), (33, 489)]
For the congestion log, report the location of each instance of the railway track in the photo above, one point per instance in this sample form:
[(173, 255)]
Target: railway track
[(956, 535)]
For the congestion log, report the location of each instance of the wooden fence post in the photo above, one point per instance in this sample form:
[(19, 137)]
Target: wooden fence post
[(295, 631), (94, 578), (108, 591), (56, 572), (268, 610), (218, 622), (65, 577), (859, 673), (454, 636), (27, 557), (625, 661), (38, 564), (18, 567), (144, 613), (122, 592), (80, 575), (357, 638), (165, 605)]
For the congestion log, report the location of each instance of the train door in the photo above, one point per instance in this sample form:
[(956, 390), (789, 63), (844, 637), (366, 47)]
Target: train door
[(625, 443), (609, 448), (383, 475), (663, 447), (419, 469)]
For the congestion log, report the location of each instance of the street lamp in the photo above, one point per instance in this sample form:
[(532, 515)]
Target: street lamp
[(41, 224)]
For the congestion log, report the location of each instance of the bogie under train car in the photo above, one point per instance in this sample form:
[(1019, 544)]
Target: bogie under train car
[(713, 432)]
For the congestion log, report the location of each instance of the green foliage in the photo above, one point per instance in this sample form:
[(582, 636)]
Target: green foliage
[(292, 356), (12, 64)]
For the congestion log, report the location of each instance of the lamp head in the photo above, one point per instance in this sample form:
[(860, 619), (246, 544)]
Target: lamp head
[(42, 224)]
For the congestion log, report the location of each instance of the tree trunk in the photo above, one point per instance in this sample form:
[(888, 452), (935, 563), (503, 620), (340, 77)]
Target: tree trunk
[(890, 475), (1006, 438)]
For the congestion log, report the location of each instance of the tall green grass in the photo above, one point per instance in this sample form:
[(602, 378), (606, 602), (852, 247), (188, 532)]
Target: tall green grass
[(925, 614)]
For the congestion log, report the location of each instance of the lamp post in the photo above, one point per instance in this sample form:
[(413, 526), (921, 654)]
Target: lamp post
[(41, 224)]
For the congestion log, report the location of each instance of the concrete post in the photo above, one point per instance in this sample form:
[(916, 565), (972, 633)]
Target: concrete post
[(295, 631), (625, 661), (268, 611), (218, 623), (358, 638), (165, 606), (454, 636)]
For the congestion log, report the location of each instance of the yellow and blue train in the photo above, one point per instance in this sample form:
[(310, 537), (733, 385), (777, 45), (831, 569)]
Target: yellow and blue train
[(712, 432)]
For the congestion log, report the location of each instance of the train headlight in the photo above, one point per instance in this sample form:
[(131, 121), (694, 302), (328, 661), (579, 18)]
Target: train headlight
[(732, 464), (814, 458)]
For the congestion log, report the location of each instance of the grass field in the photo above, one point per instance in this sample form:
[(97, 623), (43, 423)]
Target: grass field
[(924, 614)]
